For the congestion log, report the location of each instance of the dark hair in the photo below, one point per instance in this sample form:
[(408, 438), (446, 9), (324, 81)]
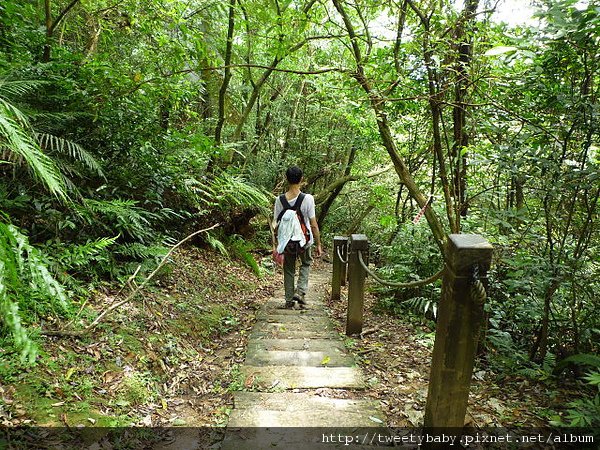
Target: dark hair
[(293, 174)]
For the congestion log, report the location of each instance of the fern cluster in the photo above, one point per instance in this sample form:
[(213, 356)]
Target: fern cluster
[(584, 412), (226, 192), (26, 286), (18, 141)]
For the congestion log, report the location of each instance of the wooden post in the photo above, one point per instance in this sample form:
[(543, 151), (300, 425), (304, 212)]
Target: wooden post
[(460, 316), (344, 253), (340, 244), (356, 282)]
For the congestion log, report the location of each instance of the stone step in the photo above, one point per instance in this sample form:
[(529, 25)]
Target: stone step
[(292, 314), (317, 321), (287, 333), (303, 358), (290, 327), (283, 409), (286, 377), (317, 345), (277, 307)]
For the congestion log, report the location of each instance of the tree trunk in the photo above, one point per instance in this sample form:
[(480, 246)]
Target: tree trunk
[(386, 135), (227, 73), (541, 346), (326, 205), (461, 137), (52, 24)]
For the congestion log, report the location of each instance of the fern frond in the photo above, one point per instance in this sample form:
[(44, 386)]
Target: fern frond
[(141, 251), (233, 191), (19, 88), (123, 216), (23, 277), (15, 139), (80, 255), (242, 249), (216, 244), (422, 305), (585, 359), (73, 150), (593, 378)]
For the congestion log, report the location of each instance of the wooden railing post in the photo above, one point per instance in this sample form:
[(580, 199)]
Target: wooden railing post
[(340, 244), (344, 252), (460, 315), (356, 282)]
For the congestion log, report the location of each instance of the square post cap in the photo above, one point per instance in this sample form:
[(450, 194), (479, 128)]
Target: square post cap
[(466, 250), (359, 242)]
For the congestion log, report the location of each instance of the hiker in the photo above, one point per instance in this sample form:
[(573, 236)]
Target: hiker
[(294, 243)]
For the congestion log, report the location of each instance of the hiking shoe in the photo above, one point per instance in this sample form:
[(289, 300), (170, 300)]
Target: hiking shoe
[(289, 305), (300, 299)]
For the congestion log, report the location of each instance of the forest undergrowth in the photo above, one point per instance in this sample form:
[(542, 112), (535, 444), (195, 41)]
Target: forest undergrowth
[(169, 358), (395, 354)]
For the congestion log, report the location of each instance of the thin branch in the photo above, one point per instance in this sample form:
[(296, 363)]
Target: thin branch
[(132, 295), (322, 195), (518, 116), (62, 15), (148, 278), (274, 69)]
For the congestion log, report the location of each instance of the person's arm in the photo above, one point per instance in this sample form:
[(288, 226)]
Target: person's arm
[(314, 226), (276, 210)]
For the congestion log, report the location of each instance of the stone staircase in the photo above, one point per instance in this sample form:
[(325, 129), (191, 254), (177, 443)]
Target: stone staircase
[(296, 367)]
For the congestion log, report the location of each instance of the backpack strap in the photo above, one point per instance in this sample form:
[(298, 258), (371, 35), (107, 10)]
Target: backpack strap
[(298, 204), (286, 205)]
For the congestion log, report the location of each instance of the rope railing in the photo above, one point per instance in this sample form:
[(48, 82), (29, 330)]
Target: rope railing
[(478, 292), (459, 319), (339, 255), (411, 284)]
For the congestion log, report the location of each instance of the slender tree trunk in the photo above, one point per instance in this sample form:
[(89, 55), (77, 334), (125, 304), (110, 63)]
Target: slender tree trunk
[(52, 24), (264, 77), (289, 133), (48, 19), (386, 134), (326, 205), (436, 119), (227, 73), (540, 349), (461, 137)]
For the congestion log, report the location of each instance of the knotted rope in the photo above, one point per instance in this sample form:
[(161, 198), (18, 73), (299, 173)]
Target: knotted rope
[(478, 293)]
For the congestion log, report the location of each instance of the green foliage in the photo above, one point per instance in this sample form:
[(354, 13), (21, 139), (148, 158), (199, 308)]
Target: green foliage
[(216, 244), (122, 216), (231, 192), (77, 256), (579, 359), (18, 140), (26, 288), (134, 390), (584, 412), (242, 249), (73, 151)]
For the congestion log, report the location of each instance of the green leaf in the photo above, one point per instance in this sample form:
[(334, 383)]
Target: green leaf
[(500, 50)]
